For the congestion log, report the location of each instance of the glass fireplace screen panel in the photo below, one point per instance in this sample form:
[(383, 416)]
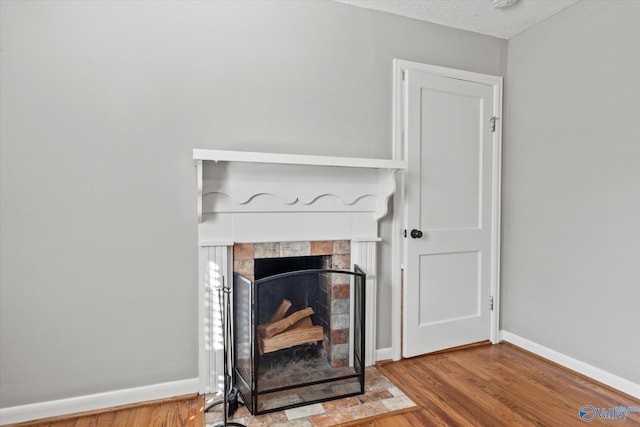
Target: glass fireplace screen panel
[(305, 334)]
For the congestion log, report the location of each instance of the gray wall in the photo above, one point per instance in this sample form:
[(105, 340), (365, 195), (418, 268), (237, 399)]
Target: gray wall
[(571, 222), (101, 105)]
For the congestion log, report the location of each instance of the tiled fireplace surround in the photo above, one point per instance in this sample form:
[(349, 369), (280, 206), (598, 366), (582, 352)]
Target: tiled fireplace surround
[(260, 205), (336, 255)]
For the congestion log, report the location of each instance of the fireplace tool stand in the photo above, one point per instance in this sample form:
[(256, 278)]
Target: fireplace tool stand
[(230, 393)]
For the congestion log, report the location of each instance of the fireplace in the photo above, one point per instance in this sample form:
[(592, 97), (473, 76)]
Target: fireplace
[(314, 206), (298, 324)]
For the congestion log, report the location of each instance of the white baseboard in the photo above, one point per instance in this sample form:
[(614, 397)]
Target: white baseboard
[(590, 371), (384, 354), (53, 408)]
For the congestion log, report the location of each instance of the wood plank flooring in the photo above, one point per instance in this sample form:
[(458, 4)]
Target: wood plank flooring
[(181, 411), (491, 385), (497, 385)]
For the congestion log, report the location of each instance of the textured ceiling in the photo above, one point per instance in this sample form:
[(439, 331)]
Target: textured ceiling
[(479, 16)]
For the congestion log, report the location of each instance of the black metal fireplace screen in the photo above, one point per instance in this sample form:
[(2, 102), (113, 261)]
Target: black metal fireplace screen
[(298, 338)]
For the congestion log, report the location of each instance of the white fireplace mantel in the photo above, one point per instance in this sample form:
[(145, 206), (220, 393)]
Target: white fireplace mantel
[(249, 197), (296, 159), (273, 182)]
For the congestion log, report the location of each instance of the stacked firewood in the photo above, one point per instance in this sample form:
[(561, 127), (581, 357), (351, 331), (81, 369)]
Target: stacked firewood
[(288, 331)]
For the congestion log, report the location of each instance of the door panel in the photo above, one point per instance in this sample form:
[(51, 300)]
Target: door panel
[(457, 295), (449, 198), (453, 173)]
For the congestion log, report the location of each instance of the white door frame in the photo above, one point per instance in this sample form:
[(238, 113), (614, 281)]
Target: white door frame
[(399, 200)]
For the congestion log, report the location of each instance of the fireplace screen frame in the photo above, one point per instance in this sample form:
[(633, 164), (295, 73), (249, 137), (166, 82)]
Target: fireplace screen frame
[(246, 375)]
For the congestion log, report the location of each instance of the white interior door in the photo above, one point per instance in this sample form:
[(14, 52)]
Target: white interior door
[(451, 211)]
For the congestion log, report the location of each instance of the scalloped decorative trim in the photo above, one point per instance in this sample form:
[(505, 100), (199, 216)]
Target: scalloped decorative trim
[(291, 200)]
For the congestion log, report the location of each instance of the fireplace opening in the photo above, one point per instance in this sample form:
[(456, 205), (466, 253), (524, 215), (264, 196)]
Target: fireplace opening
[(298, 335), (265, 267)]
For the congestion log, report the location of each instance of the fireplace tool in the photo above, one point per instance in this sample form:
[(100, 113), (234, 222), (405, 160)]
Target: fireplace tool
[(229, 400)]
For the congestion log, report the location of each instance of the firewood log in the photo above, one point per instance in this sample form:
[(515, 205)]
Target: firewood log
[(284, 324), (291, 338), (281, 311), (305, 322)]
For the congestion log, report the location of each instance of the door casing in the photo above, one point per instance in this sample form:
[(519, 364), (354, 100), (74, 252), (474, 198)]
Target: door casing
[(399, 201)]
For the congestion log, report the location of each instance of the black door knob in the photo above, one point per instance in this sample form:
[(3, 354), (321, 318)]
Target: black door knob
[(416, 234)]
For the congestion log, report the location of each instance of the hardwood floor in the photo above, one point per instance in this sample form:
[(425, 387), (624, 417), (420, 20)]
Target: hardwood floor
[(179, 411), (490, 385), (497, 385)]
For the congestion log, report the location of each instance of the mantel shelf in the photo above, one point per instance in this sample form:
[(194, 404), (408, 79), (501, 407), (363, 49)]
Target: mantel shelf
[(296, 159), (240, 182)]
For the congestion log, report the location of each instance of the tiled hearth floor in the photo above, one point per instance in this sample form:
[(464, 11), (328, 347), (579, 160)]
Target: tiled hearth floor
[(381, 397)]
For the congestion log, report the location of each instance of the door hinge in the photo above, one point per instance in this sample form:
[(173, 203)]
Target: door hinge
[(493, 123), (491, 303)]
